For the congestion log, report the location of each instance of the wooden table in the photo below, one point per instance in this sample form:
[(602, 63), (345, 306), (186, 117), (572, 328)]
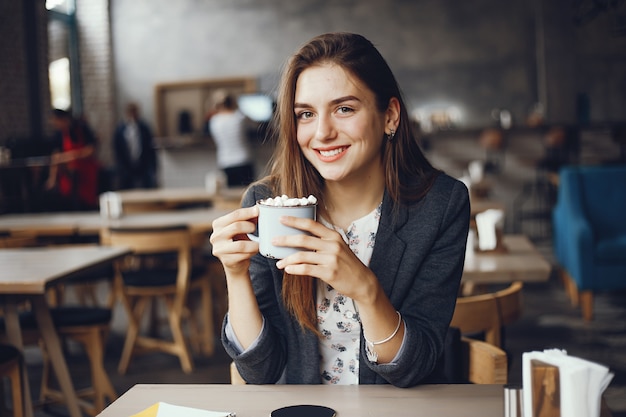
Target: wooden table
[(90, 223), (465, 400), (138, 200), (478, 205), (25, 275), (521, 262)]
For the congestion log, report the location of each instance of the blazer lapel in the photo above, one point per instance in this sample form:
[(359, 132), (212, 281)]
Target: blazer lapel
[(389, 248)]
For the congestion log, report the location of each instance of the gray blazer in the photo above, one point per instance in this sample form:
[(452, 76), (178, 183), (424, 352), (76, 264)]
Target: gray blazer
[(418, 258)]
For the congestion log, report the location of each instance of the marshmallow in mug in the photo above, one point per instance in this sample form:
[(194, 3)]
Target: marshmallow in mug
[(285, 201)]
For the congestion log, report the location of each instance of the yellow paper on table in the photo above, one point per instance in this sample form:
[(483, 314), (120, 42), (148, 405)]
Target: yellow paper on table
[(161, 409)]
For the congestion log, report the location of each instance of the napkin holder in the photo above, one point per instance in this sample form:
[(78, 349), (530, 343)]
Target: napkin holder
[(545, 389), (555, 384)]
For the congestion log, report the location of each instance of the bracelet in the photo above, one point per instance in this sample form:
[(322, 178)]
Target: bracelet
[(372, 356)]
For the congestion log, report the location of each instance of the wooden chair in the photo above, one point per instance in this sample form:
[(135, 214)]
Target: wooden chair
[(11, 363), (488, 313), (153, 278), (88, 326), (481, 363)]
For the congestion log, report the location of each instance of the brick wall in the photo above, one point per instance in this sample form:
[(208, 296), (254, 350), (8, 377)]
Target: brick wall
[(15, 93), (94, 36)]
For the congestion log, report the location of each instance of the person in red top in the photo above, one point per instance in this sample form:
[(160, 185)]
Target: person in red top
[(73, 166)]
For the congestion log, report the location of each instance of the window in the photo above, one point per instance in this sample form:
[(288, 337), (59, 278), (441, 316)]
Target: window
[(60, 90), (63, 67)]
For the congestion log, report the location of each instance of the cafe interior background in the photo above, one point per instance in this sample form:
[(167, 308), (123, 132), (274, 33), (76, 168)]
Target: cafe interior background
[(465, 67)]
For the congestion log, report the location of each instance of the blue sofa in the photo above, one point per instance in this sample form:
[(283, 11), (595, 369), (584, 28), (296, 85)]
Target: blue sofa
[(589, 231)]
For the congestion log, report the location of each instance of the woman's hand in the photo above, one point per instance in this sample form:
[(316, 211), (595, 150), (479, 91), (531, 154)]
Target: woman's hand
[(328, 258), (230, 242)]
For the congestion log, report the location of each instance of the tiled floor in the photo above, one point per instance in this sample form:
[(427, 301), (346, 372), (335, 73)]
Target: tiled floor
[(548, 320)]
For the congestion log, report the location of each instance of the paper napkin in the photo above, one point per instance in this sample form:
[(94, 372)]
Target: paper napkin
[(161, 409), (581, 383), (486, 224)]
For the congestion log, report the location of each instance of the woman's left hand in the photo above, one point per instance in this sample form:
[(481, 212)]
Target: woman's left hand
[(328, 258)]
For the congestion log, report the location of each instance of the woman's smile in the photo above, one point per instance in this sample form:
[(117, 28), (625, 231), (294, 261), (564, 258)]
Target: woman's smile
[(332, 154)]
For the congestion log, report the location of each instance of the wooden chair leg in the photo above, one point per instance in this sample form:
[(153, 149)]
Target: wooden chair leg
[(206, 308), (586, 304), (179, 341), (15, 376), (103, 392), (13, 370), (219, 293), (198, 313), (584, 299), (134, 313), (570, 288), (195, 330)]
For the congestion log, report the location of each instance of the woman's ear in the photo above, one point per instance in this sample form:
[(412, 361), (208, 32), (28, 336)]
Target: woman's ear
[(392, 115)]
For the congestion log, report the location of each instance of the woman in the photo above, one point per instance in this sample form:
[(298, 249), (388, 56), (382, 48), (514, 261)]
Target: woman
[(371, 298)]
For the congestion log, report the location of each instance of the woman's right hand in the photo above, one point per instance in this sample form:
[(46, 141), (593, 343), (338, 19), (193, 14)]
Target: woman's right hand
[(230, 242)]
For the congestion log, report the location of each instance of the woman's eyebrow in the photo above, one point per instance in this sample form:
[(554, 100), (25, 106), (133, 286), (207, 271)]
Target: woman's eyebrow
[(345, 98), (332, 102)]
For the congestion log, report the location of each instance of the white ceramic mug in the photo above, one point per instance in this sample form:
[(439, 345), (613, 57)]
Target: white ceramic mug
[(269, 226)]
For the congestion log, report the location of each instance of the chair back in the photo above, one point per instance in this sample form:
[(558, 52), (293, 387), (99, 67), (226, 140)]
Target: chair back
[(487, 313), (154, 241), (510, 303), (478, 314), (148, 240)]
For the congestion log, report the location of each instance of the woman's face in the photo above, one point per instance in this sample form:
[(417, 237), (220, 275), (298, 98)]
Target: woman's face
[(339, 128)]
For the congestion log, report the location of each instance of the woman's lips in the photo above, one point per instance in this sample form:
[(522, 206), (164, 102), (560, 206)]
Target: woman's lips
[(329, 155)]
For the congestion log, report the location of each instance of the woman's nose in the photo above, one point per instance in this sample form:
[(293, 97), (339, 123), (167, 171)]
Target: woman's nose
[(325, 128)]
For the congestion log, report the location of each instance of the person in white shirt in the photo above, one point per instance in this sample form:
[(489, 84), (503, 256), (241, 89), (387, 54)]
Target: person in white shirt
[(228, 127)]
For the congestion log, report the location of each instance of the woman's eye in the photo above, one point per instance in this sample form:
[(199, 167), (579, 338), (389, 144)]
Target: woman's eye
[(304, 115), (345, 109)]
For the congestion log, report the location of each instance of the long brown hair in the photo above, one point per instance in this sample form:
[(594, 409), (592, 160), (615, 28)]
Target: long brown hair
[(408, 174)]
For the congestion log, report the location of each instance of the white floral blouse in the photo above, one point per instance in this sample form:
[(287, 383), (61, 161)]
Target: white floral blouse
[(337, 316)]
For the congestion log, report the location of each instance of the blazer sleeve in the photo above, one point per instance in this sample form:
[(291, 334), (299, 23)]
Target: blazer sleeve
[(264, 363)]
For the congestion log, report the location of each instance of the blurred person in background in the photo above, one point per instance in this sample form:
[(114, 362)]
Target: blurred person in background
[(73, 176), (133, 148), (228, 126)]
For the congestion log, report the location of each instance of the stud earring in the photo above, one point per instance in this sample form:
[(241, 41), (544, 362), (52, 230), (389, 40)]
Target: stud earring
[(391, 134)]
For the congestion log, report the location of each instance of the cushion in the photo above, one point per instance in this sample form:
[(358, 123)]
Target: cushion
[(157, 277), (67, 316), (8, 352)]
